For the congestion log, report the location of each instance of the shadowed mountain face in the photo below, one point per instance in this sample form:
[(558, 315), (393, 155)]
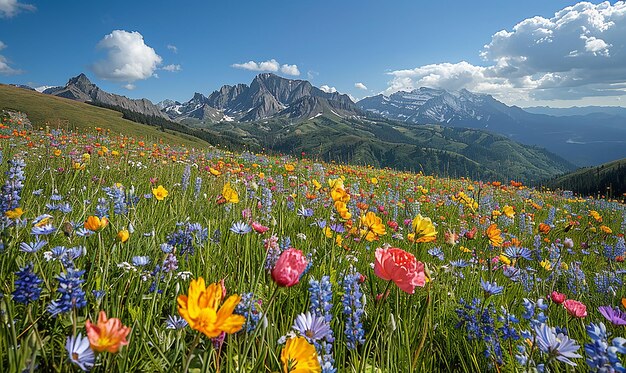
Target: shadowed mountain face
[(79, 88), (582, 139)]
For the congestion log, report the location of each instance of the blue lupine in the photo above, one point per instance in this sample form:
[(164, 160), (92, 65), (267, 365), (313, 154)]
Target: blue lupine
[(10, 195), (27, 285), (248, 307), (198, 185), (321, 297), (600, 355), (184, 182), (353, 310), (72, 294)]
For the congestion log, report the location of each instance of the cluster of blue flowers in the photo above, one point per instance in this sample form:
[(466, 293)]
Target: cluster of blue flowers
[(353, 310), (321, 296), (248, 307)]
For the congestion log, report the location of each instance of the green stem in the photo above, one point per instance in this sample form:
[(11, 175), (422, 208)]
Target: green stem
[(190, 355)]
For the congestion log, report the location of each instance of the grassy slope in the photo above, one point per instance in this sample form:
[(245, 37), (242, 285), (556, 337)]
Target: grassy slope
[(60, 112)]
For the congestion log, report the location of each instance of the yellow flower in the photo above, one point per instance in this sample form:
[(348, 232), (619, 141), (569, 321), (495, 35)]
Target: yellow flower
[(57, 152), (373, 223), (289, 167), (606, 229), (123, 235), (115, 153), (595, 215), (94, 223), (214, 172), (16, 213), (230, 194), (423, 229), (317, 185), (339, 194), (545, 264), (335, 183), (494, 235), (374, 180), (509, 211), (342, 209), (505, 259), (465, 249), (160, 193), (86, 157), (201, 309), (299, 356)]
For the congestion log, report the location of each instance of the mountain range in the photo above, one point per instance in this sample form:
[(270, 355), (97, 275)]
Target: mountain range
[(583, 140), (588, 139)]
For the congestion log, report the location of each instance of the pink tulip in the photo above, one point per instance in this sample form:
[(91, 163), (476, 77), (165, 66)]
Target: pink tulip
[(557, 297), (289, 267), (575, 308), (259, 228), (400, 267)]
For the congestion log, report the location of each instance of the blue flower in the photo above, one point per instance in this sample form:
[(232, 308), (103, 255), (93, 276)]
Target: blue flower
[(72, 294), (80, 352), (436, 252), (175, 322), (311, 327), (490, 288), (515, 252), (558, 346), (32, 247), (248, 307), (353, 310), (140, 261), (240, 228), (27, 285)]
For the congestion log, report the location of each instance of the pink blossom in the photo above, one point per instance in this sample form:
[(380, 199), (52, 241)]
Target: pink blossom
[(575, 308), (259, 228), (557, 297), (289, 267), (400, 267)]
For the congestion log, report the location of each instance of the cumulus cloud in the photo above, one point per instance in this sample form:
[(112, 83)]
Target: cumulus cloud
[(128, 58), (577, 53), (173, 48), (328, 89), (10, 8), (5, 69), (172, 68), (129, 86), (270, 65), (290, 70), (360, 86)]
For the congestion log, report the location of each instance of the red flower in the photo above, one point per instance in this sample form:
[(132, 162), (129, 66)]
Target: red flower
[(557, 297), (289, 267), (470, 234), (259, 228), (400, 267)]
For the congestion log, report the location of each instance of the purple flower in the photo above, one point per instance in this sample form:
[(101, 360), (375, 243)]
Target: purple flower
[(311, 327), (614, 315)]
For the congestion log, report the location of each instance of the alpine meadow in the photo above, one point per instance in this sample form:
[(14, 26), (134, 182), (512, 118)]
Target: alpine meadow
[(415, 215)]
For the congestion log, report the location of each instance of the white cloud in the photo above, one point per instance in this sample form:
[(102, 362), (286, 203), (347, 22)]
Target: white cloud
[(270, 65), (172, 68), (360, 86), (10, 8), (328, 89), (5, 69), (173, 48), (128, 57), (129, 86), (577, 53), (290, 69)]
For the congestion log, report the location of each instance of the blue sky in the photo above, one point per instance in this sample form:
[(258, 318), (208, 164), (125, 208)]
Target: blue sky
[(166, 49)]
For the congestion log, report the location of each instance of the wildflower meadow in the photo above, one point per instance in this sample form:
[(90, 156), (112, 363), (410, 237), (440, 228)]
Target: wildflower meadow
[(128, 254)]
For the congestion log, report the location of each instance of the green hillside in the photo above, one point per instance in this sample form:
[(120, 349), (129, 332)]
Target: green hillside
[(433, 149), (54, 111), (607, 179)]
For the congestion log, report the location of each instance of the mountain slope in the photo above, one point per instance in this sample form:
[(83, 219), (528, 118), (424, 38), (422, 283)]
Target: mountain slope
[(433, 149), (45, 110), (584, 140), (607, 179), (80, 88)]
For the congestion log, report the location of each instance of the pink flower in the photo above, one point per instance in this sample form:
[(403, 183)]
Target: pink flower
[(575, 308), (259, 228), (557, 297), (400, 267), (289, 267)]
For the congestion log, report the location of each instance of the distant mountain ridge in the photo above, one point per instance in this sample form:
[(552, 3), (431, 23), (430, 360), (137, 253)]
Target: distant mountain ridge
[(80, 88), (582, 139), (267, 96)]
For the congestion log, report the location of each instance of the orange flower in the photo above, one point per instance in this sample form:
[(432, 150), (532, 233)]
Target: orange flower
[(494, 235), (16, 213), (200, 309), (606, 229), (289, 167), (544, 228), (107, 335), (373, 223), (123, 235), (94, 223)]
